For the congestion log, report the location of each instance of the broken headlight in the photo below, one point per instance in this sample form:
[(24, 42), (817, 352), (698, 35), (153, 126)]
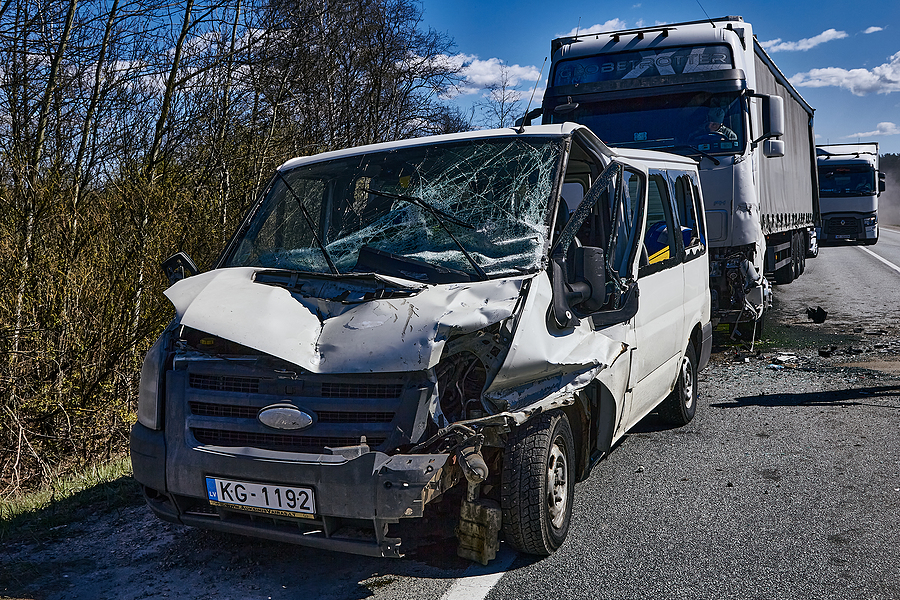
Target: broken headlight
[(150, 396), (470, 361)]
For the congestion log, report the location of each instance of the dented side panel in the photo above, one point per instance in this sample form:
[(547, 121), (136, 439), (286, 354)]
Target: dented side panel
[(545, 361)]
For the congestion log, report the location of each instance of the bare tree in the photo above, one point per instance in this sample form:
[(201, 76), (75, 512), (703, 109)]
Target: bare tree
[(502, 104)]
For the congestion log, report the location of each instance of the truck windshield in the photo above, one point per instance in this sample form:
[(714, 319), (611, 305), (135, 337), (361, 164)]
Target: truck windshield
[(454, 211), (846, 180), (683, 123)]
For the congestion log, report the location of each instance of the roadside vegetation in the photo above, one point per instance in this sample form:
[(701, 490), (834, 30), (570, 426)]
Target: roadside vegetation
[(40, 512), (130, 130)]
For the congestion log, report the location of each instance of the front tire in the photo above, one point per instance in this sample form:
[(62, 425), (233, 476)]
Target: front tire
[(680, 406), (538, 484)]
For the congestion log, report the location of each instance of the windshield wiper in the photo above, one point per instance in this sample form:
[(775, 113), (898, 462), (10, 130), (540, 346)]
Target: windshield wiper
[(441, 217), (309, 223), (698, 151)]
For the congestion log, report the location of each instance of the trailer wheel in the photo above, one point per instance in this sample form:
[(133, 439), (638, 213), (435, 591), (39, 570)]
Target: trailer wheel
[(680, 406), (538, 484)]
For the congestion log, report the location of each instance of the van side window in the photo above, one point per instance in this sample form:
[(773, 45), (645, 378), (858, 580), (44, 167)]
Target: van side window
[(625, 226), (698, 206), (686, 209), (662, 249)]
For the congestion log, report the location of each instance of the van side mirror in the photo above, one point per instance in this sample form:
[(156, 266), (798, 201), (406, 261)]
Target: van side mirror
[(582, 289), (178, 266)]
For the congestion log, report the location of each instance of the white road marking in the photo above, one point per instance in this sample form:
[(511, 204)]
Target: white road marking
[(887, 262), (478, 580)]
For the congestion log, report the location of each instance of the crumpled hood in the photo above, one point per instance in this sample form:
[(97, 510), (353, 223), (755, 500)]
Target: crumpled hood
[(322, 336)]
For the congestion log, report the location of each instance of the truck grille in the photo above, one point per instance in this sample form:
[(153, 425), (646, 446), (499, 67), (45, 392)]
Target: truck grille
[(842, 226)]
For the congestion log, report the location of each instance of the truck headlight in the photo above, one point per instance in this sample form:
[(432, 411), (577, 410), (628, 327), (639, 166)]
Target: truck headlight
[(870, 221), (150, 396)]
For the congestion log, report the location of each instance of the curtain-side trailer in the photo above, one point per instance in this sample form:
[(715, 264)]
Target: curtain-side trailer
[(706, 89), (849, 185)]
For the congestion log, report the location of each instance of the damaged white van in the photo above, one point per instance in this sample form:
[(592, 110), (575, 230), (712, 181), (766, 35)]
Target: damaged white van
[(471, 319)]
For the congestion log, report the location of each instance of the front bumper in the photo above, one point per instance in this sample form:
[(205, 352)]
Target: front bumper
[(357, 498)]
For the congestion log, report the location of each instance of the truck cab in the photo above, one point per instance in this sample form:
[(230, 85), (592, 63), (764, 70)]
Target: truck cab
[(472, 319), (849, 186)]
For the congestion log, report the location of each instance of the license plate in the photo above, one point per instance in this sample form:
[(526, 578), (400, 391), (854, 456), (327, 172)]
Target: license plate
[(843, 237), (271, 499)]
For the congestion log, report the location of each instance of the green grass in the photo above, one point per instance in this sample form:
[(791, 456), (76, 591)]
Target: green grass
[(98, 488)]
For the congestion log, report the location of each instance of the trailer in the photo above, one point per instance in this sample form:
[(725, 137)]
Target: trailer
[(708, 90), (849, 185)]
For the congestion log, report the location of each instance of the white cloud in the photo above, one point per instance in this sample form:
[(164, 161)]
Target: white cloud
[(777, 45), (479, 74), (611, 25), (883, 79), (873, 29), (884, 128)]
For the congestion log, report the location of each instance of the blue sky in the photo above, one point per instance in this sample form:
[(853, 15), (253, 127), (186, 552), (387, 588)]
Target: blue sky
[(844, 62)]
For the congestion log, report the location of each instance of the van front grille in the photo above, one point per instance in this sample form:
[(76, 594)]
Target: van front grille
[(225, 383), (276, 441), (361, 390), (207, 409)]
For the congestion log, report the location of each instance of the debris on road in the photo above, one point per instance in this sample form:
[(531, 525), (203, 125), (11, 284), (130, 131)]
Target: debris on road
[(817, 315)]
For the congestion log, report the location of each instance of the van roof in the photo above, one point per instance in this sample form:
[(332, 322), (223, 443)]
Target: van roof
[(650, 157), (561, 130)]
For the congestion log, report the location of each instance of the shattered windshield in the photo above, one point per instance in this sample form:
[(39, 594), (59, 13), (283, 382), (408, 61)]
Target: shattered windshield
[(455, 211), (684, 123)]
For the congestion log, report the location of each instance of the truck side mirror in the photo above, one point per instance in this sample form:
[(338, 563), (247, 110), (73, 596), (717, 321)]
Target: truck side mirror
[(529, 117), (773, 148), (773, 116), (881, 187), (178, 266)]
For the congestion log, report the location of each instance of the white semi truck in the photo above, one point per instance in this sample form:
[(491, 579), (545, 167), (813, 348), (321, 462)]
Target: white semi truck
[(849, 185), (706, 89)]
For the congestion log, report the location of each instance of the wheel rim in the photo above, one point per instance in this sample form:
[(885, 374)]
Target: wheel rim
[(687, 381), (557, 485)]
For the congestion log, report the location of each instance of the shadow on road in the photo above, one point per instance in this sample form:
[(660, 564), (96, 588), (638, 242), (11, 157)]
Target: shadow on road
[(851, 397)]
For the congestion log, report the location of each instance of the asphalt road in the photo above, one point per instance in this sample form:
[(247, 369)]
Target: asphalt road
[(786, 485)]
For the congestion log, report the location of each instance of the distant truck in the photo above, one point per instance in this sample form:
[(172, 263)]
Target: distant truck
[(706, 89), (467, 321), (849, 185)]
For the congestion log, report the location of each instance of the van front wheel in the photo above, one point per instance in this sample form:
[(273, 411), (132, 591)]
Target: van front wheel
[(538, 484), (680, 406)]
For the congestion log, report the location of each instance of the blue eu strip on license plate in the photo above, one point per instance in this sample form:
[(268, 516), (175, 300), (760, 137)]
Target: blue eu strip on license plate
[(267, 498)]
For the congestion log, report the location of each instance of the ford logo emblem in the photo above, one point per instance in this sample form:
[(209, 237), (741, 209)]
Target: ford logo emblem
[(284, 416)]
